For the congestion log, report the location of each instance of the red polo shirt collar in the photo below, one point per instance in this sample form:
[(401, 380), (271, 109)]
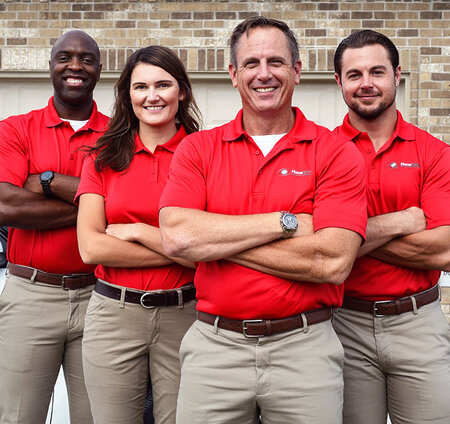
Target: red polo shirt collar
[(52, 119), (169, 145), (403, 130), (303, 130)]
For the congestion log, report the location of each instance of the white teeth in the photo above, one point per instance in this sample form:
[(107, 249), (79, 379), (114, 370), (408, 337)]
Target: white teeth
[(74, 80), (154, 107), (264, 90)]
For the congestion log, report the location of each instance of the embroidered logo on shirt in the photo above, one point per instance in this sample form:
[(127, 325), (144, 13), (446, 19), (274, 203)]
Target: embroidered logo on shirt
[(395, 165), (285, 172)]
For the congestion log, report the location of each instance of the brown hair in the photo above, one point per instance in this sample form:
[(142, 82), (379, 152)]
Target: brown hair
[(115, 148)]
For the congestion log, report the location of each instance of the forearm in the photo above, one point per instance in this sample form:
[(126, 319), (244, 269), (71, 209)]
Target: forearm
[(429, 249), (21, 208), (324, 257), (63, 187), (383, 228), (147, 235), (201, 236), (103, 249)]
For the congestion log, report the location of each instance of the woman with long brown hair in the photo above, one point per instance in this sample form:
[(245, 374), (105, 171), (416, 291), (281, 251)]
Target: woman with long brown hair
[(143, 302)]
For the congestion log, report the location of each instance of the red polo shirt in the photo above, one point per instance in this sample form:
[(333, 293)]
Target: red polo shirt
[(31, 144), (411, 169), (133, 196), (309, 170)]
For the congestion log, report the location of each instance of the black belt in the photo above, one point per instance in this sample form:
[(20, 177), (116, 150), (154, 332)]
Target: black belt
[(68, 282), (149, 299), (266, 327), (393, 307)]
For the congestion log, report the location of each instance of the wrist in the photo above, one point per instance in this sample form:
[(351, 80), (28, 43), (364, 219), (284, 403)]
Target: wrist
[(289, 224), (45, 179)]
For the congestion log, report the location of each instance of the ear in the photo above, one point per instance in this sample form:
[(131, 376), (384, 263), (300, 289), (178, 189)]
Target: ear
[(232, 71), (398, 75), (297, 71), (181, 97), (338, 79), (99, 71)]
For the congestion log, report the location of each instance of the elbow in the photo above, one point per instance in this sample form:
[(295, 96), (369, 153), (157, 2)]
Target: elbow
[(88, 254), (175, 244), (335, 271)]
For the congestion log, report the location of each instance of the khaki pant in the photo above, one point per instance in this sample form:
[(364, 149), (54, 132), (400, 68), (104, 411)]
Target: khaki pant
[(398, 364), (122, 343), (41, 328), (289, 378)]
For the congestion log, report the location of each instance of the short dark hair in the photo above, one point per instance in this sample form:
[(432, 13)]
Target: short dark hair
[(115, 148), (261, 21), (363, 38)]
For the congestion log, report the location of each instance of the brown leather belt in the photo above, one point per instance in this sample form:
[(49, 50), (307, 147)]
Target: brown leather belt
[(67, 282), (149, 299), (266, 327), (393, 307)]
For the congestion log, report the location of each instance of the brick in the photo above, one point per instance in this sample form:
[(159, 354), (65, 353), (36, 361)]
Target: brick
[(210, 60), (362, 15), (430, 50), (441, 5), (372, 24), (94, 15), (328, 6), (440, 77), (315, 32), (430, 15), (203, 15), (181, 15), (225, 15), (169, 24), (408, 33), (104, 7), (204, 33), (81, 7), (312, 59), (385, 15), (125, 24), (71, 15), (16, 41), (201, 60), (439, 112), (220, 59)]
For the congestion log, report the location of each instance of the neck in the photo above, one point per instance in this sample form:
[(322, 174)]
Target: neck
[(268, 123), (80, 112), (380, 129), (152, 136)]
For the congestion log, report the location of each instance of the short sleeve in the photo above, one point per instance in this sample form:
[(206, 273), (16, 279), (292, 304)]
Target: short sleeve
[(186, 186), (340, 199), (14, 164), (435, 194), (91, 181)]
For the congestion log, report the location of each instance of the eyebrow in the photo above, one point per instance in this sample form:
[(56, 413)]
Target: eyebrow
[(373, 68), (252, 58), (157, 82)]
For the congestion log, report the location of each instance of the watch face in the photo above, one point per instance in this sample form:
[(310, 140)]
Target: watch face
[(290, 221), (47, 176)]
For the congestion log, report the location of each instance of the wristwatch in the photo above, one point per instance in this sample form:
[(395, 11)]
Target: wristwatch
[(46, 178), (289, 223)]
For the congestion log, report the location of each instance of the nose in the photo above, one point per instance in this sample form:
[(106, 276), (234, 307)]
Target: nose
[(264, 72), (366, 81), (152, 94), (75, 63)]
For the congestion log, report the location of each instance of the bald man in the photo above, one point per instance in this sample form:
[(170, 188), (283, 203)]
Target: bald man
[(47, 286)]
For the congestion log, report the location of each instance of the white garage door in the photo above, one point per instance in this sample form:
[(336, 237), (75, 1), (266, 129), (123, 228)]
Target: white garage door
[(317, 95)]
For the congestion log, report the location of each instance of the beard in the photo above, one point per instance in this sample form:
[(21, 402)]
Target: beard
[(368, 113)]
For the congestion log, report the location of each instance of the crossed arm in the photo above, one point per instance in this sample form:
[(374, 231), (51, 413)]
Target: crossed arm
[(28, 208), (401, 238), (117, 245), (256, 241)]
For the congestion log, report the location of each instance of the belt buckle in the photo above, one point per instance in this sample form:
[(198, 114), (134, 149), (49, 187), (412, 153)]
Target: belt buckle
[(142, 299), (251, 321), (375, 312), (63, 281)]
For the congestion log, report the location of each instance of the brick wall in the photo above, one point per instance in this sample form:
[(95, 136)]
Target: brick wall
[(199, 30)]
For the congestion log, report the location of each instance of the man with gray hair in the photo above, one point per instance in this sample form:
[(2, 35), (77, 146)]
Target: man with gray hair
[(272, 207), (47, 285)]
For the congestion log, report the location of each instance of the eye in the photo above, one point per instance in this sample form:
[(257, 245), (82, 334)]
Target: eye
[(251, 64), (164, 85), (139, 87), (276, 62), (87, 60), (352, 76)]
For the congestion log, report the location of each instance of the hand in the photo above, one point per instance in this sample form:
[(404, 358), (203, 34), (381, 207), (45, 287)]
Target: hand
[(414, 220), (125, 232), (33, 183), (305, 225)]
